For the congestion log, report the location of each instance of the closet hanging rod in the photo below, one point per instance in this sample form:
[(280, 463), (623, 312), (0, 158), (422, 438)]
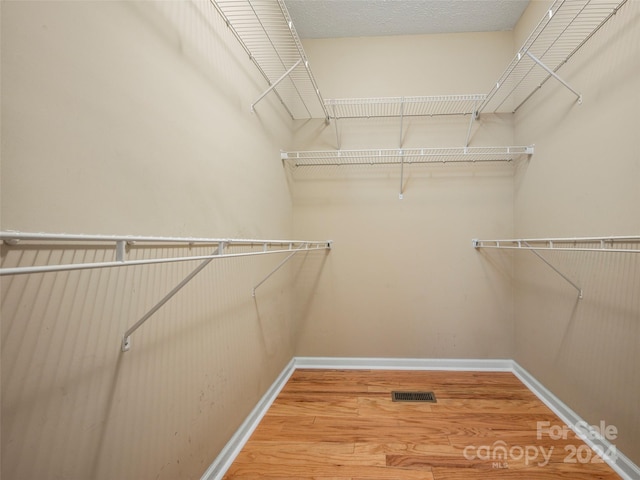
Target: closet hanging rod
[(121, 241), (567, 244)]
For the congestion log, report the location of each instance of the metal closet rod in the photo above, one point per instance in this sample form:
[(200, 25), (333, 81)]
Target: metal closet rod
[(121, 241)]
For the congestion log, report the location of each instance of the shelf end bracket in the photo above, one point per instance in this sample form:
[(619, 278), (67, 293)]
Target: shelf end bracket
[(555, 269), (554, 75), (280, 265), (275, 84)]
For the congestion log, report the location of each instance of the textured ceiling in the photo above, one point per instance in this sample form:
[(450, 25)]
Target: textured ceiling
[(363, 18)]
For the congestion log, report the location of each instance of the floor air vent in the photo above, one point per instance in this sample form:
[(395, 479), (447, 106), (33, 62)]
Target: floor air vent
[(413, 397)]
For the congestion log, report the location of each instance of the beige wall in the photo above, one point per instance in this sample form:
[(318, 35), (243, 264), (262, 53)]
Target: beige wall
[(403, 279), (133, 118), (584, 181)]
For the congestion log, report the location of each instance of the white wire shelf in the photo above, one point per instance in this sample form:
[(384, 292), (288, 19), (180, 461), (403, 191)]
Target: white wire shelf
[(120, 243), (405, 156), (611, 244), (266, 32), (566, 26), (630, 244), (403, 106)]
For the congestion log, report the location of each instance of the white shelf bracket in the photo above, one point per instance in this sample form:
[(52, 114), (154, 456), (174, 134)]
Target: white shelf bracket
[(275, 84), (401, 121), (279, 266), (554, 74), (474, 117), (555, 270), (126, 338), (522, 244), (401, 195), (121, 254), (336, 127)]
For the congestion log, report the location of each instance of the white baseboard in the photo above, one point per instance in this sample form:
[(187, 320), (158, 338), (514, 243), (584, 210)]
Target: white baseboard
[(451, 364), (231, 450), (620, 463)]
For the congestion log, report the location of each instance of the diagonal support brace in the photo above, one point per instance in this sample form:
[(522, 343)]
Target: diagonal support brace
[(275, 84), (336, 127), (474, 117), (554, 75), (555, 270), (278, 267), (126, 340)]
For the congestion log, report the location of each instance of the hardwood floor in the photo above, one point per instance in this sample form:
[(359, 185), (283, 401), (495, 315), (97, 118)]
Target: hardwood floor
[(342, 424)]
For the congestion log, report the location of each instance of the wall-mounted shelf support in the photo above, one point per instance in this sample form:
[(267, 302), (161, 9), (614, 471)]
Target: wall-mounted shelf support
[(335, 125), (275, 84), (631, 244), (556, 270), (301, 248), (401, 195), (401, 121), (121, 250), (474, 117), (126, 338), (554, 75)]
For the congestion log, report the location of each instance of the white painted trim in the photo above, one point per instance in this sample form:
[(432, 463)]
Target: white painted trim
[(452, 364), (622, 465), (233, 447)]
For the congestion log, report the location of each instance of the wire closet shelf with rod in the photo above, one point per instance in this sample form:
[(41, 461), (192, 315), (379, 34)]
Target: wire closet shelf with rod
[(629, 244), (121, 245)]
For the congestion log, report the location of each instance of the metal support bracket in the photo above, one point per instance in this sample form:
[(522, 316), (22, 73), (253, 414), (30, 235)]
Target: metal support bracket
[(401, 194), (553, 74), (126, 338), (474, 117), (336, 127), (121, 253), (524, 245), (275, 84), (279, 266), (555, 270), (401, 121)]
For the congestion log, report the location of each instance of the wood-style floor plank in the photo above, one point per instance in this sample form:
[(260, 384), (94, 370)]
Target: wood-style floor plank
[(343, 425)]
